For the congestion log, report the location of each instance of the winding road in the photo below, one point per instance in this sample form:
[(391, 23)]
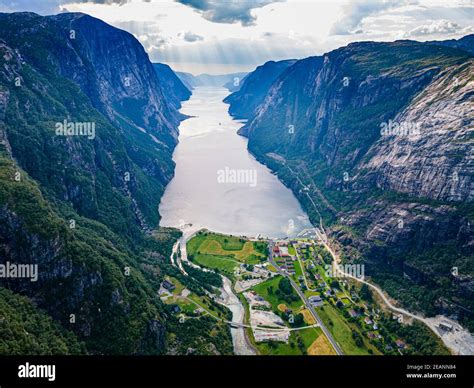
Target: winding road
[(459, 341), (455, 341), (374, 287)]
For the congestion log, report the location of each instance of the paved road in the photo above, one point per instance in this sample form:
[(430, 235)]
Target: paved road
[(322, 236), (430, 322), (328, 334), (245, 325), (379, 291)]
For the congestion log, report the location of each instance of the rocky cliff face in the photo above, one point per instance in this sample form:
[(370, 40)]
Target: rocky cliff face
[(435, 161), (380, 134), (136, 128), (173, 88), (76, 203), (118, 77), (255, 87)]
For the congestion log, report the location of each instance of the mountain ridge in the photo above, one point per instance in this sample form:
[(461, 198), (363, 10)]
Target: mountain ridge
[(172, 86), (82, 208), (324, 118), (254, 87)]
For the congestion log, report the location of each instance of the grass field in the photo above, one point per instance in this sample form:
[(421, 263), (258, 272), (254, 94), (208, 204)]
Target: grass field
[(342, 331), (308, 337), (271, 268), (221, 263), (245, 255), (229, 243), (224, 253), (291, 250), (321, 347), (206, 304), (308, 317), (311, 293), (298, 271), (192, 302), (322, 272), (187, 307), (263, 290), (177, 283)]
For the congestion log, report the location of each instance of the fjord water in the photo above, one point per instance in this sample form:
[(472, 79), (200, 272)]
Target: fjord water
[(202, 194)]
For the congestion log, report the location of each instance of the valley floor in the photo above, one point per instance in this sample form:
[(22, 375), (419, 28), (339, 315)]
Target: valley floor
[(286, 300)]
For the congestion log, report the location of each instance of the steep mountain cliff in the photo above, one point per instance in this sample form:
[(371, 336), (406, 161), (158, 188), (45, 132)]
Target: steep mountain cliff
[(380, 135), (65, 73), (254, 88), (173, 88), (86, 142)]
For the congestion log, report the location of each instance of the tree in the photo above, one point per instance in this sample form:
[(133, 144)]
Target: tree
[(285, 286), (357, 339), (365, 293), (299, 320)]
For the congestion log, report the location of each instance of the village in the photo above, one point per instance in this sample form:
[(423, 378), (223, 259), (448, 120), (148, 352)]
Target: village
[(310, 265), (292, 296)]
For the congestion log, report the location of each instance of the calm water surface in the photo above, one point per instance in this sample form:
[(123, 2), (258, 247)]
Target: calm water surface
[(218, 184)]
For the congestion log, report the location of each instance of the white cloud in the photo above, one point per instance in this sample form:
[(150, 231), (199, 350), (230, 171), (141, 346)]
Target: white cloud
[(228, 11), (246, 35), (189, 36), (437, 27), (355, 12)]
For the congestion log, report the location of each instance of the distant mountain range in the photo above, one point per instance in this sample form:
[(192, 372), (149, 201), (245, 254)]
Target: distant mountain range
[(230, 81), (381, 135)]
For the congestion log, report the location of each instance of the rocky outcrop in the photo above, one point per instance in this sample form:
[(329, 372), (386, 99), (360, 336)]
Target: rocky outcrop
[(435, 160)]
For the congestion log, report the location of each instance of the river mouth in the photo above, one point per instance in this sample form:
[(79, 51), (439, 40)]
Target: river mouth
[(218, 184)]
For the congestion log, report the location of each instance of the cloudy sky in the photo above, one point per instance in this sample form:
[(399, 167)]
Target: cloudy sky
[(222, 36)]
